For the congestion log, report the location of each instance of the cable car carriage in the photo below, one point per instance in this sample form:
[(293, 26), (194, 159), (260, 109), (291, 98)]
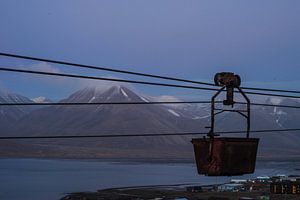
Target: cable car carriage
[(226, 156)]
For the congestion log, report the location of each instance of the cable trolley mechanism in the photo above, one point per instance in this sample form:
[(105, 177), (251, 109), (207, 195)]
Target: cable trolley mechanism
[(226, 156)]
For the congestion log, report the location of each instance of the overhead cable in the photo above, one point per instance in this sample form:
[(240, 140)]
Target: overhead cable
[(135, 103), (268, 105), (103, 78), (135, 73), (131, 81), (141, 135), (102, 103), (103, 68)]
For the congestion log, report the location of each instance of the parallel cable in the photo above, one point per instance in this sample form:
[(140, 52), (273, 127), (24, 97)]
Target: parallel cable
[(271, 90), (132, 81), (273, 95), (135, 73), (268, 105), (103, 103), (104, 79), (142, 135), (104, 69), (136, 103)]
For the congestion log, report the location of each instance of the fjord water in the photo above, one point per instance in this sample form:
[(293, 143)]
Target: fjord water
[(35, 179)]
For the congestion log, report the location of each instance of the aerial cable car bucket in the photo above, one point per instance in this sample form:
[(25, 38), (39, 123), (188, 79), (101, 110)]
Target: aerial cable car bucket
[(226, 156)]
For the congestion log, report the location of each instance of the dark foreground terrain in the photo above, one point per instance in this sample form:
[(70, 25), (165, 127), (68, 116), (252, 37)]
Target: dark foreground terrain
[(175, 193)]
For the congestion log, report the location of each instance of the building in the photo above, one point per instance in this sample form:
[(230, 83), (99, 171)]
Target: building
[(263, 179), (231, 187), (285, 187), (279, 178), (256, 186), (285, 178)]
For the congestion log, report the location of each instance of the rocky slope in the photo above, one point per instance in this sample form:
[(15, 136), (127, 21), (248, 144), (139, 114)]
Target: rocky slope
[(130, 119)]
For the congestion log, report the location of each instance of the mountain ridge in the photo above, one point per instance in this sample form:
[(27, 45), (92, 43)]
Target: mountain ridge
[(139, 119)]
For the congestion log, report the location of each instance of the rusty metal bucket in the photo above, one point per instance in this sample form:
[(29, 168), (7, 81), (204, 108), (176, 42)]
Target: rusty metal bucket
[(224, 156)]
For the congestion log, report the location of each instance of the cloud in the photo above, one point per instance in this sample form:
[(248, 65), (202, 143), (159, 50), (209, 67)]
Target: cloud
[(45, 67), (166, 98), (73, 83), (103, 85), (44, 79)]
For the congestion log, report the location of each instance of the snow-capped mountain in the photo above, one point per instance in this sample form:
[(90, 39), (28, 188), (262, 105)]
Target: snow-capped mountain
[(111, 119), (285, 117), (191, 111), (167, 118), (265, 118), (10, 114)]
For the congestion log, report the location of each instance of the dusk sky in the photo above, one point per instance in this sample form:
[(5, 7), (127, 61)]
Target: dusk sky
[(192, 39)]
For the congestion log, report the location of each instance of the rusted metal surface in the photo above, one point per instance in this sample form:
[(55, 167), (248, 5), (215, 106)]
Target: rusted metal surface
[(227, 79), (225, 156), (230, 81), (222, 156)]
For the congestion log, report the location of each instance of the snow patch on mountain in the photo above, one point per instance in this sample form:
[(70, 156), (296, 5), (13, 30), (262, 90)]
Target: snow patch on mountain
[(124, 93), (14, 112), (277, 111), (144, 99), (92, 99), (279, 124), (203, 117), (174, 113)]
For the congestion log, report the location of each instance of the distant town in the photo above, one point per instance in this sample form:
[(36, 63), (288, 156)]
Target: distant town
[(260, 188)]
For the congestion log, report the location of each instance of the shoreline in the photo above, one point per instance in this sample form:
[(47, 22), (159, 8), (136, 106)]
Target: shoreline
[(143, 160), (95, 175)]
